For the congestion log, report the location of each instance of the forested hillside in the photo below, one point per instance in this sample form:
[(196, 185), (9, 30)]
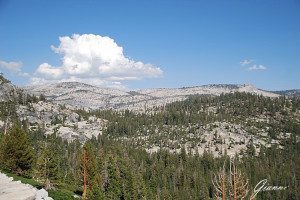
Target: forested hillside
[(118, 171), (169, 152), (227, 122)]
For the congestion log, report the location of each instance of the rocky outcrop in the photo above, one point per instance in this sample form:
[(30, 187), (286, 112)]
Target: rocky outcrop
[(8, 91), (15, 190), (64, 122)]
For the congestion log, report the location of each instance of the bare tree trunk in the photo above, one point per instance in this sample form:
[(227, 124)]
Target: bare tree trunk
[(84, 184), (219, 183), (84, 174), (238, 184), (47, 184), (5, 127), (234, 181)]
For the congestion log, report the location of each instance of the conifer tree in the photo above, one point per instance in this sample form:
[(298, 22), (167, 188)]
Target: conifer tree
[(88, 168), (17, 152), (47, 165)]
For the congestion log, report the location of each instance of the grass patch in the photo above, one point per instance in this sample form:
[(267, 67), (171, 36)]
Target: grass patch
[(24, 180), (58, 194), (61, 194)]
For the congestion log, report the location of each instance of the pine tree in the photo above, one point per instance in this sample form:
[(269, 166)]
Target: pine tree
[(17, 152), (47, 165), (112, 185), (88, 169)]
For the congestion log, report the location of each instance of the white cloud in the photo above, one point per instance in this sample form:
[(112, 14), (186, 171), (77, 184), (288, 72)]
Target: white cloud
[(48, 72), (246, 62), (253, 66), (14, 67), (257, 67), (94, 59)]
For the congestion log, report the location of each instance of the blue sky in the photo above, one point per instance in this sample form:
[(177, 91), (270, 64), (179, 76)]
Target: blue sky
[(145, 44)]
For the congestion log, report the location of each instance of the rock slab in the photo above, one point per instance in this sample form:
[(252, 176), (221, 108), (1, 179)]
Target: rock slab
[(15, 190)]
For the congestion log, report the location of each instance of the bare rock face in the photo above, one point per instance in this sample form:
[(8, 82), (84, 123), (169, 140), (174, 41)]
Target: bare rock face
[(42, 194), (64, 122), (15, 190), (93, 97), (51, 117), (8, 91)]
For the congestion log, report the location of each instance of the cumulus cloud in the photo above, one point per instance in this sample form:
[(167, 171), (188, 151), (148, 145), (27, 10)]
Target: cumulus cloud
[(246, 62), (257, 67), (14, 67), (93, 59), (47, 71)]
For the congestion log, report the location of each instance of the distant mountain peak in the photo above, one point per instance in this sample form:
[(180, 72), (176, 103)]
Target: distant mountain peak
[(289, 93), (94, 97)]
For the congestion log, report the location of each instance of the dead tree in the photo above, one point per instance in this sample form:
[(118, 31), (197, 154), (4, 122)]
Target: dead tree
[(232, 185), (238, 189), (220, 183), (6, 122), (84, 173)]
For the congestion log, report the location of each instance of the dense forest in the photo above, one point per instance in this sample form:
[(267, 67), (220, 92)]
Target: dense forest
[(236, 107), (176, 121), (108, 167)]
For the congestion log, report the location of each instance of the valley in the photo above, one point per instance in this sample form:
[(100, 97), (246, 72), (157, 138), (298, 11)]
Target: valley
[(75, 126)]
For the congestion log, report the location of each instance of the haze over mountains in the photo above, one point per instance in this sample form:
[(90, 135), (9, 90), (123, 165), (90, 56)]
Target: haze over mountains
[(88, 96)]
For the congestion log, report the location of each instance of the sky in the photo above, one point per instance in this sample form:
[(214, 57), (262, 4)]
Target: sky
[(135, 44)]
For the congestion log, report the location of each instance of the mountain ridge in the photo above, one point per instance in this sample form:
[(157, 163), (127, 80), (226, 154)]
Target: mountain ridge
[(83, 95), (195, 123), (289, 93)]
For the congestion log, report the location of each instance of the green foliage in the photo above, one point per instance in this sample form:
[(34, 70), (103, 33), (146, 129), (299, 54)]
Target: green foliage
[(176, 121), (23, 179), (119, 169), (42, 97), (3, 79), (47, 164), (61, 194), (17, 152), (8, 111)]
